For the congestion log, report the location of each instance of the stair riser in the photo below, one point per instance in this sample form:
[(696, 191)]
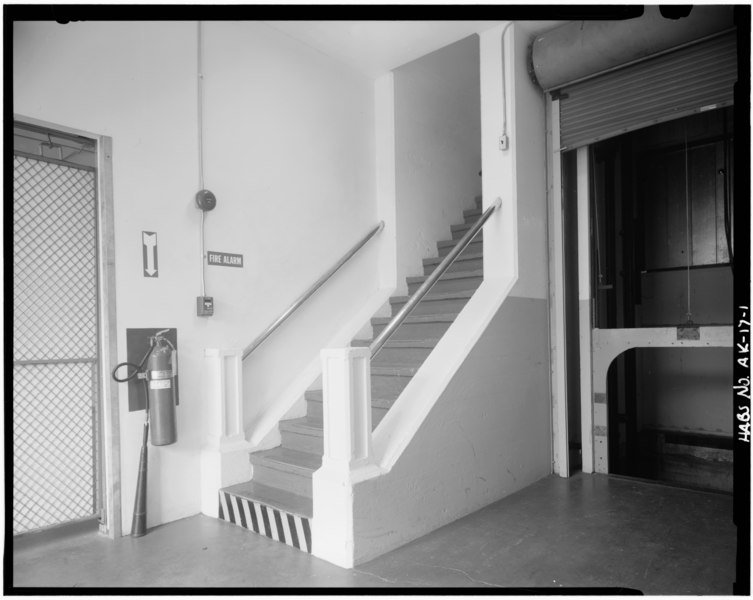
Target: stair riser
[(315, 410), (416, 331), (449, 285), (410, 357), (302, 442), (433, 307), (291, 482), (465, 261), (266, 520), (387, 386), (475, 247), (459, 265), (459, 231), (315, 444)]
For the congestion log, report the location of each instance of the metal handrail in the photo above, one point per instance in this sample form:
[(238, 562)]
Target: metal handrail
[(301, 299), (397, 320)]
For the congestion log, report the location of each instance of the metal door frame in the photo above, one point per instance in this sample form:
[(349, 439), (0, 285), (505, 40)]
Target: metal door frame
[(110, 519), (555, 233), (557, 313)]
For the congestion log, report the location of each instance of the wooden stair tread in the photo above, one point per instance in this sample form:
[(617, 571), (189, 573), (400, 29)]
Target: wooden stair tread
[(303, 426), (423, 343), (287, 460), (437, 318), (436, 296), (385, 403), (392, 343), (464, 227), (314, 395), (383, 359), (435, 260), (275, 497), (397, 370), (376, 401), (446, 276), (449, 243)]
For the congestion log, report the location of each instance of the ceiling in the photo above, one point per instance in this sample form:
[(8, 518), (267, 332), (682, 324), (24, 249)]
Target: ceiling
[(375, 47)]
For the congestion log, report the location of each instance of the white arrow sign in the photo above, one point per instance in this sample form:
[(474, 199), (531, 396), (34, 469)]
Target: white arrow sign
[(149, 251)]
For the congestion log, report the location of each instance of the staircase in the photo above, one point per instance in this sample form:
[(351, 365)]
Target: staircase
[(277, 502)]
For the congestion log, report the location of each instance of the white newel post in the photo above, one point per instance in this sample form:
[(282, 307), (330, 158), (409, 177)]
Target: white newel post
[(224, 455), (346, 381)]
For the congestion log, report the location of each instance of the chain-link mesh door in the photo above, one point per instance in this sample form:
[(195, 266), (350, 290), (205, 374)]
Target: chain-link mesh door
[(55, 397)]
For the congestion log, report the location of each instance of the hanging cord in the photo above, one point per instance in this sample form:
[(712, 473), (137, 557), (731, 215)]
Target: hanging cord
[(200, 127), (592, 175), (727, 200), (689, 314)]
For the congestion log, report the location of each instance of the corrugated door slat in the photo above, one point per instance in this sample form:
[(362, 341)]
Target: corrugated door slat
[(656, 90)]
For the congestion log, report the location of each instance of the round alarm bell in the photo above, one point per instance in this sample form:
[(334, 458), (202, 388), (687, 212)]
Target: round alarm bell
[(205, 200)]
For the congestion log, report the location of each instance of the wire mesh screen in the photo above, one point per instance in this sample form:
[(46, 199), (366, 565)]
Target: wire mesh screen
[(55, 399)]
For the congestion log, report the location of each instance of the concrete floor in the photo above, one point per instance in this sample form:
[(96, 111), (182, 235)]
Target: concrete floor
[(586, 531)]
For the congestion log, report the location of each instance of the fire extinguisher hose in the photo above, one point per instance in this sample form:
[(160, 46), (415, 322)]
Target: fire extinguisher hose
[(136, 368)]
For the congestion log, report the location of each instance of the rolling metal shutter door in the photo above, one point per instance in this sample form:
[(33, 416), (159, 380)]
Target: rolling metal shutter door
[(692, 79)]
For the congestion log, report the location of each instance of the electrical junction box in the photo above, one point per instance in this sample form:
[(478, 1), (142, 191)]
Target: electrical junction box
[(204, 306)]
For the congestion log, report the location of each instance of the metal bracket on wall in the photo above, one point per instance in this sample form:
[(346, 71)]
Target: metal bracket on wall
[(688, 332)]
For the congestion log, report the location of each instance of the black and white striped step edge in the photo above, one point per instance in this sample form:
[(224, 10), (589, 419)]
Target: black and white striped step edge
[(293, 530)]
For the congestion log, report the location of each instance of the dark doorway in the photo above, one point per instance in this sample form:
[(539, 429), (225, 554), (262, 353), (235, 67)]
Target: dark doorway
[(662, 247), (572, 308)]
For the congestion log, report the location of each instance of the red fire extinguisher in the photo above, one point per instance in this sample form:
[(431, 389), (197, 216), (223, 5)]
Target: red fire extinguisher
[(161, 370), (159, 380)]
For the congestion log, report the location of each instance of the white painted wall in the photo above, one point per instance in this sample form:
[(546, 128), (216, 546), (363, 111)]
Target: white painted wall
[(530, 172), (289, 153), (488, 433), (384, 125), (487, 436), (437, 150)]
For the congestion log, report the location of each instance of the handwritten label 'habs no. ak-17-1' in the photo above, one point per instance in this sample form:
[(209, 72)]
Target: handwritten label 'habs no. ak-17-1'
[(224, 259), (742, 387)]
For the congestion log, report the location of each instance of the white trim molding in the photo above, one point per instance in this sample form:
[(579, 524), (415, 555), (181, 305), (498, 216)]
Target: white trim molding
[(347, 459), (224, 455)]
